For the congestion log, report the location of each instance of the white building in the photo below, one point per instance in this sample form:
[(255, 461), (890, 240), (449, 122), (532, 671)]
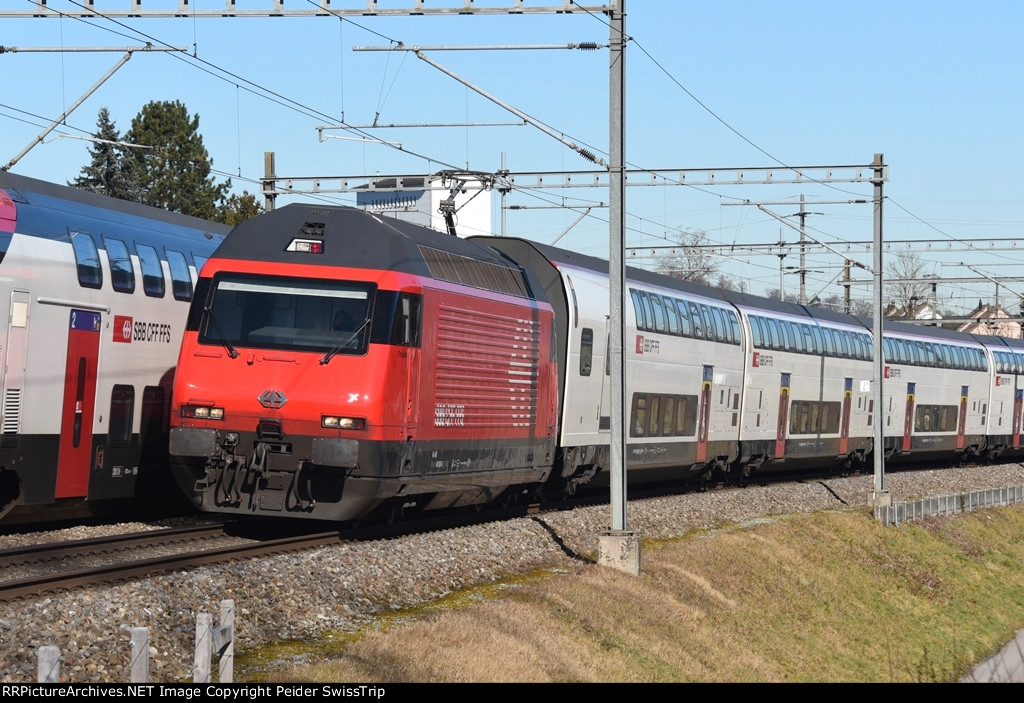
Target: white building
[(420, 202)]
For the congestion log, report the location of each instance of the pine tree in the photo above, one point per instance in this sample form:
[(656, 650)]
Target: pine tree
[(111, 170), (175, 173)]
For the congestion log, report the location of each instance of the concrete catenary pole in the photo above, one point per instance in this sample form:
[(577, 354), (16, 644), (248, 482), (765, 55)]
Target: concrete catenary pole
[(617, 548)]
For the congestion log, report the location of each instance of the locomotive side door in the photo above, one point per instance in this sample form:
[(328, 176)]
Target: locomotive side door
[(410, 331), (410, 312), (79, 404)]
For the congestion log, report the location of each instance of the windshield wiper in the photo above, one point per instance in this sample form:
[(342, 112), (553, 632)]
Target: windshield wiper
[(337, 350), (220, 330)]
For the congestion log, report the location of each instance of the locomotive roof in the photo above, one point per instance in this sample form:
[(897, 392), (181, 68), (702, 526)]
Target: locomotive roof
[(356, 238)]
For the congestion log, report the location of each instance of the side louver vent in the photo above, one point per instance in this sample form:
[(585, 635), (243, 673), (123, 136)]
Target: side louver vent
[(471, 272), (12, 411)]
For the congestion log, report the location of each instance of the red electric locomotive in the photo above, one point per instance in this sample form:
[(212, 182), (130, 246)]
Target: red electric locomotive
[(336, 362)]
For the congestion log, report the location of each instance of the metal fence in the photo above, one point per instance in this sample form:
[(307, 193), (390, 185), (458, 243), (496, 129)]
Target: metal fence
[(908, 511), (211, 642)]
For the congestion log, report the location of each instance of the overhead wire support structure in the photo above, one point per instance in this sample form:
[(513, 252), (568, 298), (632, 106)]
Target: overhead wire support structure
[(418, 50), (633, 177), (130, 9), (53, 125)]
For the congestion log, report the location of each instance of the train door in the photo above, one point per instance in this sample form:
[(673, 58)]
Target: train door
[(780, 432), (961, 422), (79, 404), (15, 363), (844, 420), (908, 419), (1018, 405), (704, 414), (410, 315), (604, 418)]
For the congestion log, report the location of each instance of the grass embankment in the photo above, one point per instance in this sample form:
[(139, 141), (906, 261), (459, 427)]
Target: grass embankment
[(827, 597)]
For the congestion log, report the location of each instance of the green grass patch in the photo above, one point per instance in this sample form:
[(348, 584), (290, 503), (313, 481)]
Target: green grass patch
[(826, 597)]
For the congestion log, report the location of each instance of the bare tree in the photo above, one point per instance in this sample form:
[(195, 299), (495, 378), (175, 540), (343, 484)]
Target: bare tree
[(690, 261), (904, 294), (726, 283)]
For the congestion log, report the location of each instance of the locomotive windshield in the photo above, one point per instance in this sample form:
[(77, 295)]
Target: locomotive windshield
[(270, 312)]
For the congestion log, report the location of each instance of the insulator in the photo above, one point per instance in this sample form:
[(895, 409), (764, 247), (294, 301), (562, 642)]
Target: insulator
[(588, 46)]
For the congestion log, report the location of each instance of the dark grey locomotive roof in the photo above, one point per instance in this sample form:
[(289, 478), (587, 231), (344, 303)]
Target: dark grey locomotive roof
[(358, 239)]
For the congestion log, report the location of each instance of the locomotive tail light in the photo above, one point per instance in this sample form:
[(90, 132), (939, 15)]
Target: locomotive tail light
[(337, 422), (307, 246), (202, 412)]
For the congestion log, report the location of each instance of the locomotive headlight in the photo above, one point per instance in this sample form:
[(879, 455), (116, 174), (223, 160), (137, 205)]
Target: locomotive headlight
[(202, 412), (337, 422)]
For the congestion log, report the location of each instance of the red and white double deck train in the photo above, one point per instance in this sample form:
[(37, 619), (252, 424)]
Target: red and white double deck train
[(95, 293), (336, 363)]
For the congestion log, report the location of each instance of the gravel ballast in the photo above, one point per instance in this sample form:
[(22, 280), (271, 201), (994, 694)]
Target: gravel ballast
[(303, 596)]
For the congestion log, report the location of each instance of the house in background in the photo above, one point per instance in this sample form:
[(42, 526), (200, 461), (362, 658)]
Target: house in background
[(991, 320), (921, 311)]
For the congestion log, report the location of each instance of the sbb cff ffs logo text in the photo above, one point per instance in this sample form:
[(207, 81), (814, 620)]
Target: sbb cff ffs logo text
[(127, 330)]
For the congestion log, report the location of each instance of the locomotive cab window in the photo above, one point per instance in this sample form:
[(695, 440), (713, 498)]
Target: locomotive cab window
[(397, 319), (406, 331), (290, 313)]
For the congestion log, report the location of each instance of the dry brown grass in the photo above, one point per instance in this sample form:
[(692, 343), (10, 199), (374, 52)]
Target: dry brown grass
[(825, 597)]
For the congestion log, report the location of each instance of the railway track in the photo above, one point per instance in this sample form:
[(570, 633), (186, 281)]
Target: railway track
[(32, 570), (43, 568), (37, 569)]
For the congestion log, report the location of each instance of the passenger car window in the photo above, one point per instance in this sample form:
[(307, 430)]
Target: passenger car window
[(586, 350), (181, 281), (122, 405), (87, 260), (152, 271), (122, 273)]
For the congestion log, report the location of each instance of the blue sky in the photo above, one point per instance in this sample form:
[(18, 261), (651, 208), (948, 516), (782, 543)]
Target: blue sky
[(935, 86)]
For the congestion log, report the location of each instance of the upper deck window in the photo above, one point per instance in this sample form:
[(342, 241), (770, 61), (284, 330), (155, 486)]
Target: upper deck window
[(152, 271), (181, 280), (87, 260), (122, 273)]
